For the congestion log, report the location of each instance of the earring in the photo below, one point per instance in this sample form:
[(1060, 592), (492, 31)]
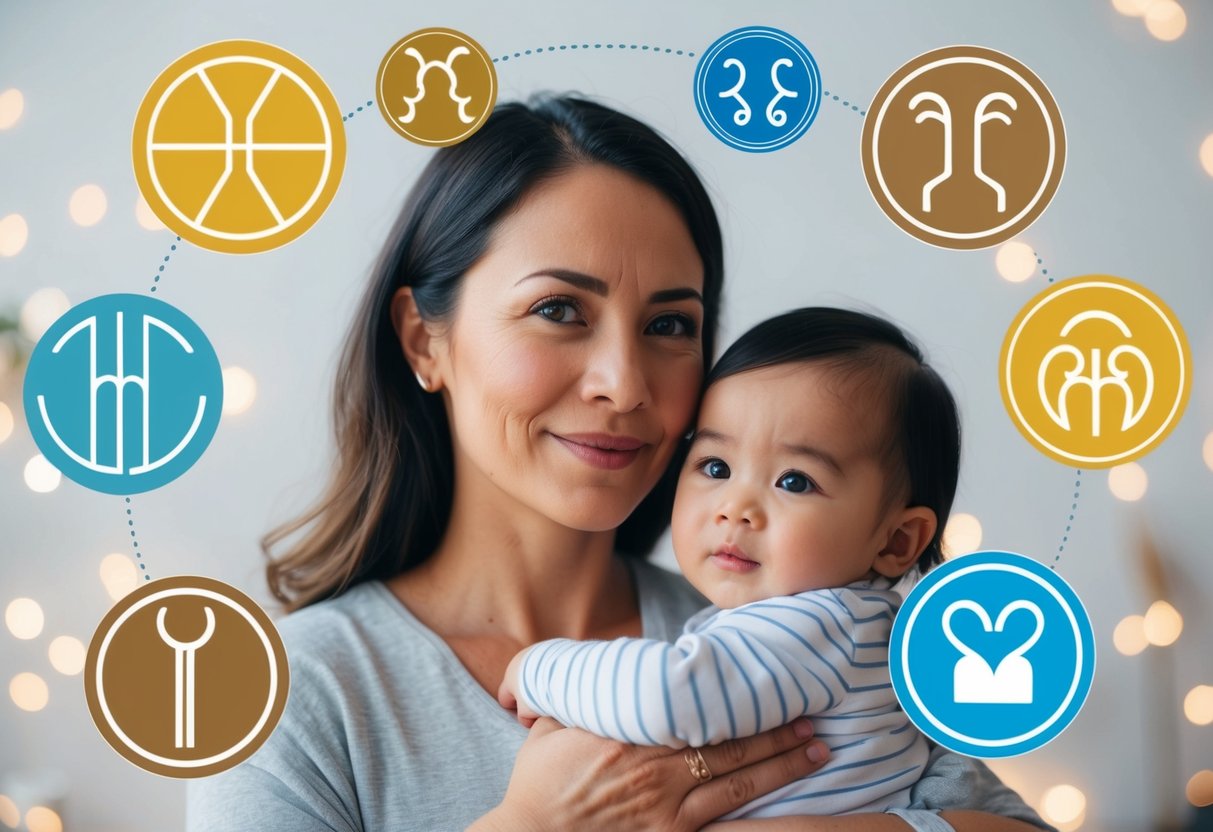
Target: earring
[(422, 382)]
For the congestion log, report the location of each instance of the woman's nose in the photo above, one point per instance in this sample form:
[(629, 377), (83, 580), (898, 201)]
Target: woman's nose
[(617, 373)]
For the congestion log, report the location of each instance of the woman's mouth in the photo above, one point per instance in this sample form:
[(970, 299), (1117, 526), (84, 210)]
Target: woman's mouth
[(602, 450)]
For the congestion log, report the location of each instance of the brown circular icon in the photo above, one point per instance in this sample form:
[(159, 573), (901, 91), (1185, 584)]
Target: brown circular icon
[(963, 147), (436, 87), (186, 677)]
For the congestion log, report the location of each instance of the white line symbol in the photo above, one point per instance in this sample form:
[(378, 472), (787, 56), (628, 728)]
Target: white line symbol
[(445, 67), (120, 379), (944, 116), (229, 145), (184, 678), (778, 118), (980, 117), (742, 117), (1095, 381)]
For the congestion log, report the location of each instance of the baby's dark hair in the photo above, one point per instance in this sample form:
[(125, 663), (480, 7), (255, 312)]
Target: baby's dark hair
[(922, 451)]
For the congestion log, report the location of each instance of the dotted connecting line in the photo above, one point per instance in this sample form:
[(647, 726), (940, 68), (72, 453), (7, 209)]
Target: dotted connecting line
[(160, 271), (845, 102), (638, 47), (1043, 271), (1070, 521), (357, 110), (130, 522)]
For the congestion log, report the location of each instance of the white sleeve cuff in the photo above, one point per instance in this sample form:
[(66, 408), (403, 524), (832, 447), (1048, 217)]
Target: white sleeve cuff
[(922, 820)]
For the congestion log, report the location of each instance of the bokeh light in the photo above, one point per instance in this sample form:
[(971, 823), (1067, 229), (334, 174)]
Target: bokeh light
[(67, 655), (24, 618), (42, 819), (1132, 8), (1163, 624), (1198, 705), (145, 217), (1063, 805), (6, 418), (1129, 637), (87, 205), (962, 535), (1166, 19), (41, 476), (10, 815), (40, 310), (1206, 154), (239, 390), (13, 233), (1128, 482), (1200, 789), (29, 692), (119, 576), (1207, 451), (1016, 261), (12, 105)]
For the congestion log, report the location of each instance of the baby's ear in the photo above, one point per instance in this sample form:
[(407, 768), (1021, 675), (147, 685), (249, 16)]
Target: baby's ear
[(911, 533)]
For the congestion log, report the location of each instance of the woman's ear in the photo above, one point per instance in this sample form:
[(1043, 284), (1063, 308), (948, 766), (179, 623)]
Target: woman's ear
[(417, 339), (914, 527)]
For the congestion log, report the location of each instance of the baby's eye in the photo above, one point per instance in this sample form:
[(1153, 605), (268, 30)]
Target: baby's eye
[(717, 469), (796, 482)]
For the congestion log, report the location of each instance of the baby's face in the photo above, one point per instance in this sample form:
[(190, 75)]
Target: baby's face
[(782, 490)]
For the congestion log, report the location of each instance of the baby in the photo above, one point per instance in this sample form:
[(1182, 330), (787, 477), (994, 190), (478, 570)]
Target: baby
[(822, 469)]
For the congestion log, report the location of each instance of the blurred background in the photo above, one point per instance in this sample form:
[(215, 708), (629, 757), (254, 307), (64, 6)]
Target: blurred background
[(1133, 78)]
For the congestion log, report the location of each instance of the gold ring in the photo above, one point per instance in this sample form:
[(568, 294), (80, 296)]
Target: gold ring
[(697, 765)]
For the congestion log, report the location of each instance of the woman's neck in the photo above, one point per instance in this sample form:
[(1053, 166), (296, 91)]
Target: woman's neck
[(509, 571)]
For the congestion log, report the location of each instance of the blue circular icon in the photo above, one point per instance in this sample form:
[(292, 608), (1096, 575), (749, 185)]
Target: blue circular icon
[(757, 89), (992, 655), (123, 393)]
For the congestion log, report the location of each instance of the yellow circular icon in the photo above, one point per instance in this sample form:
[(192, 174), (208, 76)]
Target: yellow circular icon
[(238, 147), (186, 677), (436, 87), (1095, 371)]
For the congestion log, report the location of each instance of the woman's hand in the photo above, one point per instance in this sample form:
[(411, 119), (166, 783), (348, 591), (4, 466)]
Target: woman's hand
[(507, 693), (565, 778)]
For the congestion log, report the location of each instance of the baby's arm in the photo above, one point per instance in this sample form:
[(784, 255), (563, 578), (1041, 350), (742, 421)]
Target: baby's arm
[(754, 668)]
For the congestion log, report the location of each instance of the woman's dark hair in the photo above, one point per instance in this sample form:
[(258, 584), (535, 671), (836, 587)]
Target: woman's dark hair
[(388, 502), (922, 451)]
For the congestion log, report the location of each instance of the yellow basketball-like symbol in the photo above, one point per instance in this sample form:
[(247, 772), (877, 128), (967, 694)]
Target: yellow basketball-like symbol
[(1095, 371), (238, 146), (436, 87)]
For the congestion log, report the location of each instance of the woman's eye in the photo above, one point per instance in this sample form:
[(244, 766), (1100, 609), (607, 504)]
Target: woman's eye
[(716, 469), (796, 482), (673, 326), (557, 311)]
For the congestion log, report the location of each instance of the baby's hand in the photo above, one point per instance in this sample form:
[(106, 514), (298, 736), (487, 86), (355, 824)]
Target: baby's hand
[(507, 694)]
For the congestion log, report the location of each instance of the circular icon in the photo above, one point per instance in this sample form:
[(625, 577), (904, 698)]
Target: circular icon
[(123, 393), (757, 89), (1095, 371), (436, 87), (238, 147), (992, 655), (186, 677), (963, 147)]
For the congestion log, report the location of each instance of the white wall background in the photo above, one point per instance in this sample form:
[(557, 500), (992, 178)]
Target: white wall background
[(800, 228)]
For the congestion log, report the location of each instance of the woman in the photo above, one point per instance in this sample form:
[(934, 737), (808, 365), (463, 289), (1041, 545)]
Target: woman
[(508, 408)]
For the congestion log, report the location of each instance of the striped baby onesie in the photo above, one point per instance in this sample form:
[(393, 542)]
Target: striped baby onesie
[(738, 672)]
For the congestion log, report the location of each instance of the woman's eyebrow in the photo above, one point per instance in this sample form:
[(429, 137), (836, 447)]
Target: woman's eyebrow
[(599, 287)]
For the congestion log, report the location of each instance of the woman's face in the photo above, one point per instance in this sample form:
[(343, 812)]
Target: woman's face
[(573, 361)]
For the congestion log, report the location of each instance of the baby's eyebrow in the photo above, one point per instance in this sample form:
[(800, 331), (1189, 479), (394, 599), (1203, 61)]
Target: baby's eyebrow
[(815, 453), (712, 436)]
